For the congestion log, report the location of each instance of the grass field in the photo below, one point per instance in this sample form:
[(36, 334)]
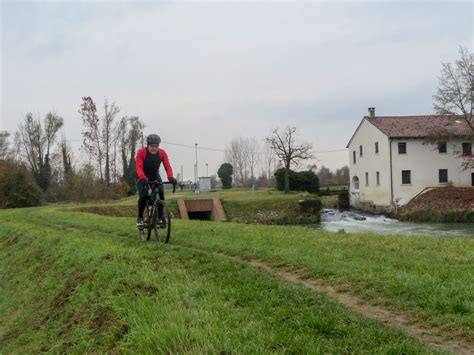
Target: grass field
[(74, 281)]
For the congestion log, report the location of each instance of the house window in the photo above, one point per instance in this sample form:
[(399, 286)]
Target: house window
[(360, 149), (442, 147), (366, 179), (377, 178), (355, 183), (443, 176), (376, 147), (406, 177), (466, 149), (402, 148), (354, 156)]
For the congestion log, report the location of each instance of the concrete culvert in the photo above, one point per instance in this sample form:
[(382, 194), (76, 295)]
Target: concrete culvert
[(202, 209), (201, 215)]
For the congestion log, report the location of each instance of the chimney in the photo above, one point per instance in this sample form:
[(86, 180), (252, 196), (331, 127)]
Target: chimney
[(371, 111)]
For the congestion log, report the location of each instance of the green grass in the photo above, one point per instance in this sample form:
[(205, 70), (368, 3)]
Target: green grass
[(429, 277), (80, 282)]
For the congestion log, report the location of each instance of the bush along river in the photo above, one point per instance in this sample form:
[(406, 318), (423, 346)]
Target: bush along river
[(354, 221)]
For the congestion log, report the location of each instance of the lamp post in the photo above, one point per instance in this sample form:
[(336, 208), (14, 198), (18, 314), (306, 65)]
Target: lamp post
[(207, 170)]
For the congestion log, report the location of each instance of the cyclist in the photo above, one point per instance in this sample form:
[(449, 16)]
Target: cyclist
[(148, 162)]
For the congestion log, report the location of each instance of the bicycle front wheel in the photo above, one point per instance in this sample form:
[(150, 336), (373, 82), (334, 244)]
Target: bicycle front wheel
[(163, 230), (143, 231), (152, 223)]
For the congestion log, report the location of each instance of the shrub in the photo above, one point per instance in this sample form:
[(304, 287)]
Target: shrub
[(18, 188), (225, 174), (299, 181)]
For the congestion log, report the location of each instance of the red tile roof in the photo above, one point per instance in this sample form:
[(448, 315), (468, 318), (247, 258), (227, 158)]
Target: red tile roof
[(420, 126)]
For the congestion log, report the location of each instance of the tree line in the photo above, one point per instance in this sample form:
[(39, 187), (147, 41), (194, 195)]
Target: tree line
[(38, 165)]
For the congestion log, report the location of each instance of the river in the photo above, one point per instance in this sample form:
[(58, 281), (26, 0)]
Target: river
[(359, 222)]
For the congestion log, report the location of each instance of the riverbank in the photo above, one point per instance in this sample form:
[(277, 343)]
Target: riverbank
[(440, 205), (265, 206)]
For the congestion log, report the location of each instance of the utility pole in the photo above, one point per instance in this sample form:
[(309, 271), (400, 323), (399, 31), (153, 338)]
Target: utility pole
[(143, 143), (182, 177), (207, 170), (196, 180)]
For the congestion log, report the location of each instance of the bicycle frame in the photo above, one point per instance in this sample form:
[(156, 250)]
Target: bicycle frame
[(155, 205), (155, 187)]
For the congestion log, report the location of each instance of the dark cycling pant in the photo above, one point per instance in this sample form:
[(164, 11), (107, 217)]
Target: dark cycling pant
[(143, 197)]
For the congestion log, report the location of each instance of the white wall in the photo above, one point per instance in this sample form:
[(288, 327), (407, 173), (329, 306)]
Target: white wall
[(370, 162), (424, 161)]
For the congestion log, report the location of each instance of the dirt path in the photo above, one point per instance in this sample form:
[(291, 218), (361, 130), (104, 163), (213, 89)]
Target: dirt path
[(404, 322)]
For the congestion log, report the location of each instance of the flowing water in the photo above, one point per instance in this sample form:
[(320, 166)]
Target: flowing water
[(357, 221)]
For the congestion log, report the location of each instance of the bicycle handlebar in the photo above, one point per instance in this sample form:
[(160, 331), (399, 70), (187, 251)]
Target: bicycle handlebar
[(162, 183)]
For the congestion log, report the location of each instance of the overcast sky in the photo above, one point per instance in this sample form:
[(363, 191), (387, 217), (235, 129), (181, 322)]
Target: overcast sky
[(205, 73)]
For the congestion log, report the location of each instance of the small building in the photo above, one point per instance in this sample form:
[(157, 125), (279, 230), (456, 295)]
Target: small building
[(204, 184), (391, 161)]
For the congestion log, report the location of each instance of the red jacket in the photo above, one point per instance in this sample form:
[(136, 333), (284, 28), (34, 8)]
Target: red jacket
[(141, 155)]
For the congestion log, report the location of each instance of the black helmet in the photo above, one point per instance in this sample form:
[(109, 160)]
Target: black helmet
[(153, 139)]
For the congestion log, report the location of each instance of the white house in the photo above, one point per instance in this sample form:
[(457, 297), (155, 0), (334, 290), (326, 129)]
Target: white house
[(390, 161)]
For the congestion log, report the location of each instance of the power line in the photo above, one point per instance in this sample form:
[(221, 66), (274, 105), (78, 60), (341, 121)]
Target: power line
[(225, 150), (257, 152)]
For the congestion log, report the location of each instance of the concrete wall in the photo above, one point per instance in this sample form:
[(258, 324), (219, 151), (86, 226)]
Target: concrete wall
[(424, 162), (368, 196)]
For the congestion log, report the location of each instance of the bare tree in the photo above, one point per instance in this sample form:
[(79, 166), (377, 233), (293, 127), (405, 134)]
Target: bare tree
[(98, 134), (4, 145), (236, 155), (288, 150), (244, 155), (456, 83), (252, 149), (91, 132), (455, 96), (110, 113), (37, 140), (267, 161)]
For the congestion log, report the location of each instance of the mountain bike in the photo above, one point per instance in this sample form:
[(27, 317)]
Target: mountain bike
[(162, 230)]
